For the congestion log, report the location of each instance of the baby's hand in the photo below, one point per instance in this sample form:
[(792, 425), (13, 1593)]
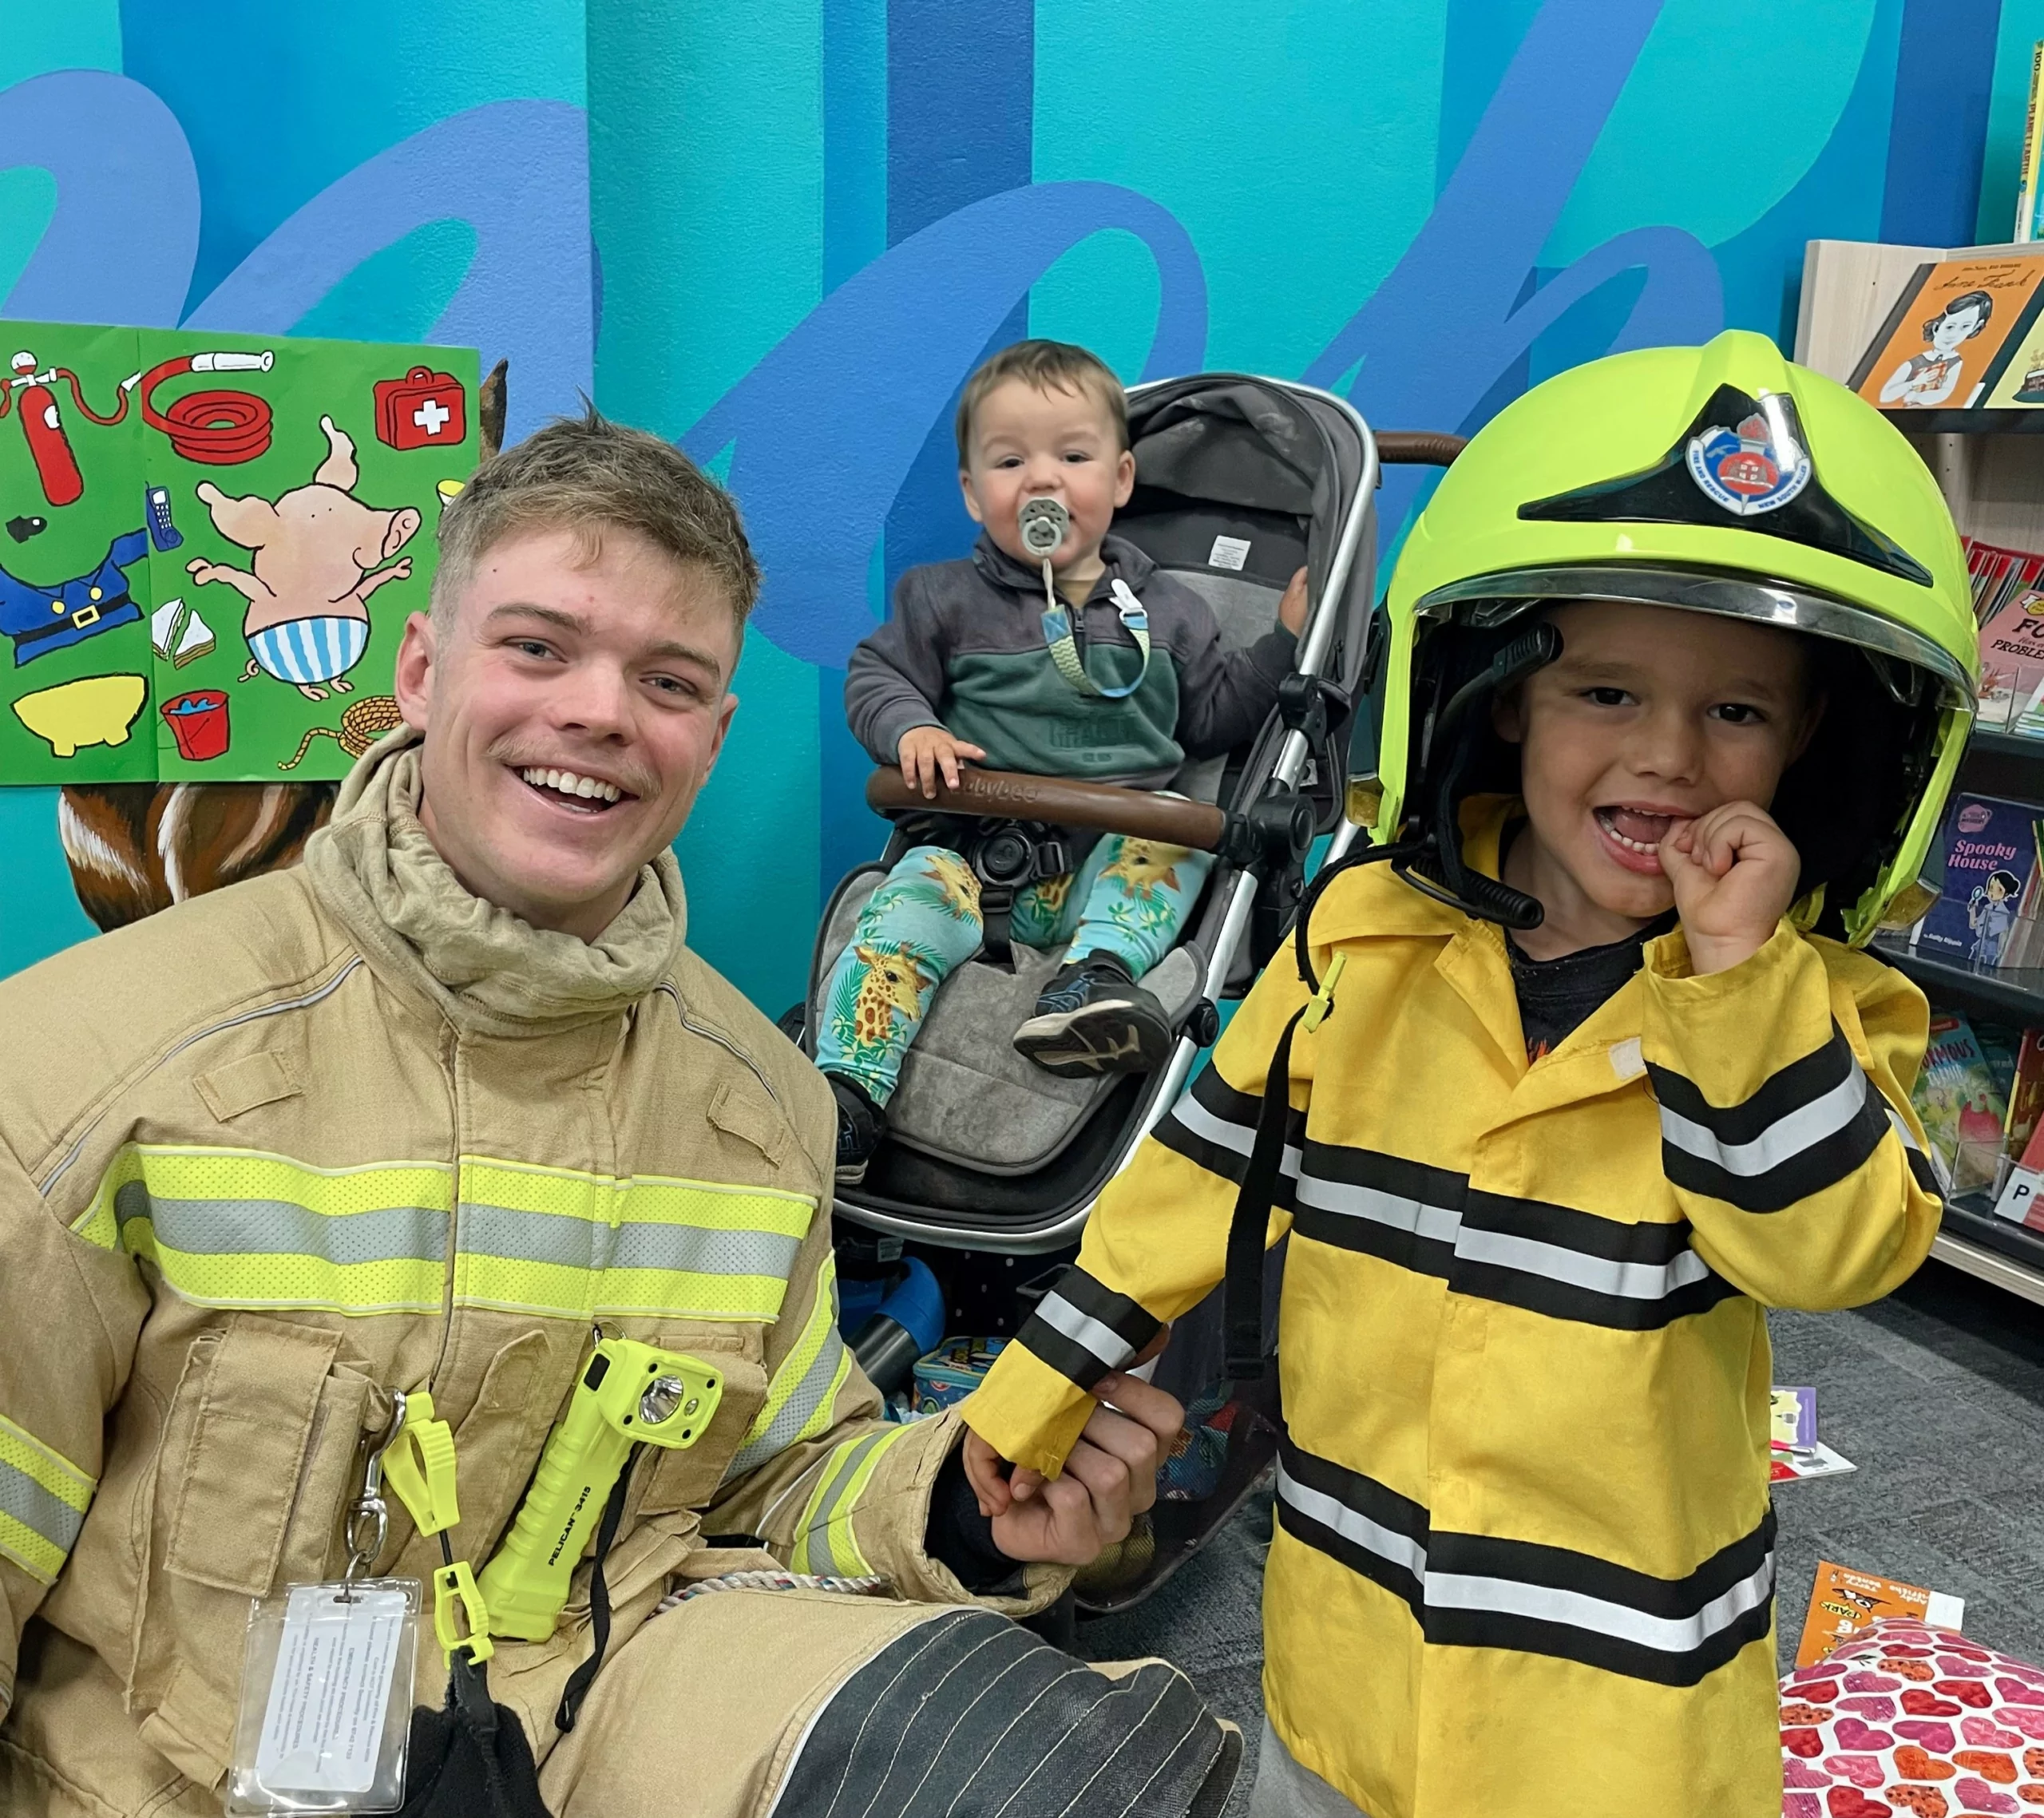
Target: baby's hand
[(1292, 608), (926, 752), (1734, 874)]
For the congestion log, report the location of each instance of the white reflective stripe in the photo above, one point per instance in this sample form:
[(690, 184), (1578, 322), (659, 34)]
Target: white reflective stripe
[(1577, 1609), (1901, 1128), (1373, 1537), (1391, 1209), (1090, 1334), (1633, 1281), (1239, 1137), (1783, 1140)]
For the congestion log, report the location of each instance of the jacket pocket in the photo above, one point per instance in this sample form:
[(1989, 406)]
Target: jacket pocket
[(251, 1461), (259, 1449)]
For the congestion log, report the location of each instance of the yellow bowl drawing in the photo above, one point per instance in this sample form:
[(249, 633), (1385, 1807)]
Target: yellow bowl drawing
[(97, 710)]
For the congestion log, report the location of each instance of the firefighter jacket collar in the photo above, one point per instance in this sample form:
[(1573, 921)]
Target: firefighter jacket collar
[(488, 971)]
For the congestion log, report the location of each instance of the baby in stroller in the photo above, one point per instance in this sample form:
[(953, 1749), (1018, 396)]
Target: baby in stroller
[(1055, 648)]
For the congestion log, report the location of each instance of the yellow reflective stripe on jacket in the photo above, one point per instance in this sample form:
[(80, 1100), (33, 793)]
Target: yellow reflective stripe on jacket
[(239, 1228), (553, 1241), (825, 1542), (804, 1388), (43, 1501)]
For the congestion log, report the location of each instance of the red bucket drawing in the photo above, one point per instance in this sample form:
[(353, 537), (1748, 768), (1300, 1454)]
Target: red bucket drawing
[(198, 721)]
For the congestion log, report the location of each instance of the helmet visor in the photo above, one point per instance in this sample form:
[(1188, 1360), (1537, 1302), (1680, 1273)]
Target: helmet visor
[(1918, 672)]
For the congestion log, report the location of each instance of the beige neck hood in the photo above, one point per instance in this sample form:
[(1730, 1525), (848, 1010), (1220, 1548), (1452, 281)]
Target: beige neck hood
[(374, 867)]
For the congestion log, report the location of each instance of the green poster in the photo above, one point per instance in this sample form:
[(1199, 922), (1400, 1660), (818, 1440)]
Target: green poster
[(209, 544)]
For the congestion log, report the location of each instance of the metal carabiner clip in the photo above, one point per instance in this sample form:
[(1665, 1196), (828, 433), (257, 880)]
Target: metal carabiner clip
[(369, 1516)]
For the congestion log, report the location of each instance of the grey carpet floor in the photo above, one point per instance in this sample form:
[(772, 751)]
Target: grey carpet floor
[(1937, 1394)]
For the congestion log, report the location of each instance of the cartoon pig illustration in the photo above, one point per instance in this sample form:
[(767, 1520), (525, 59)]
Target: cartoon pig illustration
[(316, 551)]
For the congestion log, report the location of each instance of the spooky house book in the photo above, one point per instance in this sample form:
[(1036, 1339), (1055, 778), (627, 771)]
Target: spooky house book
[(211, 544), (1987, 914)]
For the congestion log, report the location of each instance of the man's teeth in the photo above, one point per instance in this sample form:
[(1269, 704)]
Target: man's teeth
[(567, 782)]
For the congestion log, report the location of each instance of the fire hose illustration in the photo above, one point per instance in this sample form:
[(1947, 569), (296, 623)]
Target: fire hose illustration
[(214, 428)]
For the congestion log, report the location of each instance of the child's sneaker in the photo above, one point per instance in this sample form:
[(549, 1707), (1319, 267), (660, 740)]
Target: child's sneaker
[(861, 1125), (1094, 1018)]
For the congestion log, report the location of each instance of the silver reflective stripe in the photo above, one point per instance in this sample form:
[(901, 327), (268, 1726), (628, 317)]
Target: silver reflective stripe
[(1239, 1137), (36, 1509), (1093, 1335), (236, 1227), (1372, 1536), (1783, 1140), (1544, 1603), (1391, 1209), (1630, 1281), (796, 1412), (513, 1236), (820, 1555)]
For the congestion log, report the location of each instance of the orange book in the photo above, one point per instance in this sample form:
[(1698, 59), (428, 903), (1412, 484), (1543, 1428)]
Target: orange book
[(1843, 1602)]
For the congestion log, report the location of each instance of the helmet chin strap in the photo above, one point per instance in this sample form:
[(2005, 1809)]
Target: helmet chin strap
[(1431, 861)]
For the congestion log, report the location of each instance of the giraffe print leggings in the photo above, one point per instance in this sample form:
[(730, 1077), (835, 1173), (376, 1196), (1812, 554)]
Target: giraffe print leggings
[(1129, 898)]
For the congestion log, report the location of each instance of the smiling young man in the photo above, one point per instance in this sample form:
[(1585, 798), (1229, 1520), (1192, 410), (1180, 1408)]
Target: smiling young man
[(429, 1115)]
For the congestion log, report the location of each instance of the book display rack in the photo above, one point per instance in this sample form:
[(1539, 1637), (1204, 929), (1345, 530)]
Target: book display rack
[(1989, 461)]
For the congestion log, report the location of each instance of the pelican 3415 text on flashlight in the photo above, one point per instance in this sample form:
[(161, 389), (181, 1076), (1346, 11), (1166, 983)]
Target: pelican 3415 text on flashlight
[(628, 1393)]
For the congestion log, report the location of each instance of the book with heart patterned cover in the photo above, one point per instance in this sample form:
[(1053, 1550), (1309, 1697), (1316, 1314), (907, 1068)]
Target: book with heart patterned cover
[(1906, 1721)]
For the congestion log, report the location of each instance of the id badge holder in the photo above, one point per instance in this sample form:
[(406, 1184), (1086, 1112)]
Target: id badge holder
[(325, 1711), (326, 1698)]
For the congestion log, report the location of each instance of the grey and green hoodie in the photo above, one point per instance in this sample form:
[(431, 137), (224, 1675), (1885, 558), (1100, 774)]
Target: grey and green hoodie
[(964, 650)]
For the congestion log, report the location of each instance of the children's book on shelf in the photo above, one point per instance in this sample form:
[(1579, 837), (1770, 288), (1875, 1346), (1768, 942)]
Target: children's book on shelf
[(2025, 1094), (1955, 332), (2027, 222), (1960, 1111), (2008, 606), (1988, 916), (2018, 1200), (1844, 1601)]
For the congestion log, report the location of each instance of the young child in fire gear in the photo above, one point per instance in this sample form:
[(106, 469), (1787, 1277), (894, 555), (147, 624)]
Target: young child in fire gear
[(1543, 1181), (1123, 683)]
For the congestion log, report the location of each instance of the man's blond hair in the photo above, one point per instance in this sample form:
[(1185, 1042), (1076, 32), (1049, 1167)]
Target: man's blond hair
[(585, 475), (1043, 366)]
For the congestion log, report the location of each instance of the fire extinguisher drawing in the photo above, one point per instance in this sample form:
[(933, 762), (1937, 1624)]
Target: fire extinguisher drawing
[(56, 466)]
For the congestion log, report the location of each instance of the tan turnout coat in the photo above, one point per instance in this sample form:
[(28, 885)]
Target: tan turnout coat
[(345, 1130)]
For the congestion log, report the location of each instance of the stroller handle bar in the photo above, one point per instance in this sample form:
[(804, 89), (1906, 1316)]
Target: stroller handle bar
[(1063, 801), (1418, 448)]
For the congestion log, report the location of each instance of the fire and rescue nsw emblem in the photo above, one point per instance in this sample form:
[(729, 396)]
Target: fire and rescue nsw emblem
[(1744, 471)]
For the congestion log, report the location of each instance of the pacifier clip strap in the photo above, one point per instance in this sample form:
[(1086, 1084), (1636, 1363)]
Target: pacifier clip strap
[(1064, 648)]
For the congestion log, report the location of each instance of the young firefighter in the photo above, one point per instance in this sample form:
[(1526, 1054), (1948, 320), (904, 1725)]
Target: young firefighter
[(975, 664), (1541, 1184)]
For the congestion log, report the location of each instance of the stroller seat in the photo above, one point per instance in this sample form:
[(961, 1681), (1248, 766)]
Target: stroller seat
[(965, 1096)]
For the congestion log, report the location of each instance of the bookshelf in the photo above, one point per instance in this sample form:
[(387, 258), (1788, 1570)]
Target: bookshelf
[(1992, 476)]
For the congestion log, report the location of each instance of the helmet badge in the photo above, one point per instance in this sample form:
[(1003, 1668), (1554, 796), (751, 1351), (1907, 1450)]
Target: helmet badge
[(1757, 467)]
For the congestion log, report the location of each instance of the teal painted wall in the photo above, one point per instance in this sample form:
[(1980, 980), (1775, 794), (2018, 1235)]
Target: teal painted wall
[(783, 234)]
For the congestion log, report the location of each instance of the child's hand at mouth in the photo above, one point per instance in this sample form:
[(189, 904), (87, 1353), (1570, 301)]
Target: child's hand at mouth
[(1734, 874)]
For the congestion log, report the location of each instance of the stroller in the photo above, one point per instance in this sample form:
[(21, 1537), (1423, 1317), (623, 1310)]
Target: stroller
[(991, 1166)]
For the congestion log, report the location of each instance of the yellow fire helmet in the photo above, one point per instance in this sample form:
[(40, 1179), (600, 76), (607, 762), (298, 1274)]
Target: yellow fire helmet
[(1716, 479)]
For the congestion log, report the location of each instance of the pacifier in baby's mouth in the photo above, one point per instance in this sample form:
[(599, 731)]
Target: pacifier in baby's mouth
[(1042, 525)]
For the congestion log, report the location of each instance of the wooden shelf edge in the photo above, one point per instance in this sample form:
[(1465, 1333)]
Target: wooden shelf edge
[(1960, 1244)]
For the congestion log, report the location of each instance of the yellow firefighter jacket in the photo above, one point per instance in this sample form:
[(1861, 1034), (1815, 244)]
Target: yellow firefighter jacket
[(1524, 1554), (273, 1153)]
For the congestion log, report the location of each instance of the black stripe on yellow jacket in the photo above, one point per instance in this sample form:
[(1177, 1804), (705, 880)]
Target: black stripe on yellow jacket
[(1523, 1253), (1084, 1328), (1478, 1590), (1811, 1124)]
